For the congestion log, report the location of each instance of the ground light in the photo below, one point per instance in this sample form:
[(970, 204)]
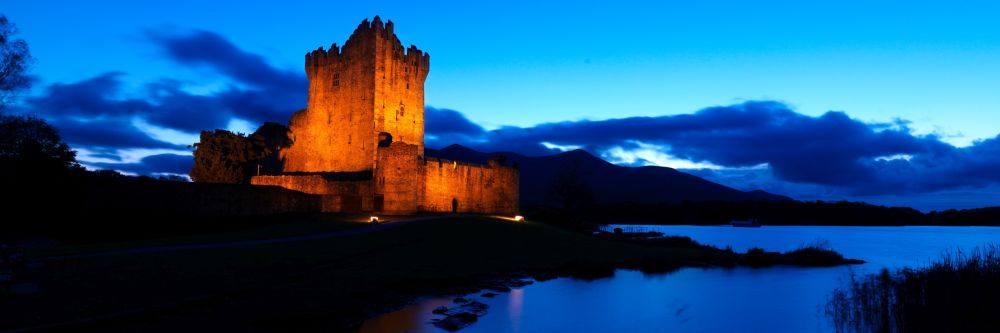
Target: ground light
[(519, 218), (373, 219)]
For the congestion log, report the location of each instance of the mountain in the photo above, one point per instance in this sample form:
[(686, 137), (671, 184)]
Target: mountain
[(608, 183)]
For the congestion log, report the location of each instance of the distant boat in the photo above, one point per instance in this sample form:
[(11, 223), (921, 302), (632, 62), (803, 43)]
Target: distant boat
[(751, 223)]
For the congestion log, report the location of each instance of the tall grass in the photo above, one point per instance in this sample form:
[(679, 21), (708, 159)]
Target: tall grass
[(958, 293)]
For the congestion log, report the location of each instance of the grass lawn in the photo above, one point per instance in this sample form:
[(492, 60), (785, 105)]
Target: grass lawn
[(327, 284)]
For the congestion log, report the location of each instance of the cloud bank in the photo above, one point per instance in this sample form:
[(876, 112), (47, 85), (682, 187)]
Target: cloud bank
[(98, 114), (758, 144), (832, 150)]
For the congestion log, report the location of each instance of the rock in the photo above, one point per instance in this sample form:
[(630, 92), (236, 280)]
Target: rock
[(440, 310), (460, 300), (488, 295), (520, 283), (457, 321), (498, 288), (461, 316), (478, 308)]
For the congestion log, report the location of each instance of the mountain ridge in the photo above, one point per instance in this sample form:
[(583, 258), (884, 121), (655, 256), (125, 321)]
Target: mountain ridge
[(609, 183)]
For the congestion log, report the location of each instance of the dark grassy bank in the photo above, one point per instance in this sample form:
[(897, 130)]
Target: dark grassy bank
[(88, 206), (958, 293), (325, 284)]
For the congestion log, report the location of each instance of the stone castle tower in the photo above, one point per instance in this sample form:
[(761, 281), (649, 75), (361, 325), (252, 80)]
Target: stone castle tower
[(360, 141), (368, 87)]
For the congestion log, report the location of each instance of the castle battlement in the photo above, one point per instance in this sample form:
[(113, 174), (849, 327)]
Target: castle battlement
[(368, 36), (360, 140)]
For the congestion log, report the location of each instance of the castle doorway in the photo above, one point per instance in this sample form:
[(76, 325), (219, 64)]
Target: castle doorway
[(454, 205), (350, 203), (379, 203)]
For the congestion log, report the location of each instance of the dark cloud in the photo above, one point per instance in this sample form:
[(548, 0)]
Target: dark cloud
[(205, 48), (153, 164), (829, 150), (106, 134), (92, 97), (271, 94), (447, 121), (98, 113), (445, 126), (186, 112)]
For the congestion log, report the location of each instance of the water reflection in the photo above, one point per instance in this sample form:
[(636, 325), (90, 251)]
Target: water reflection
[(411, 319), (515, 308), (777, 299)]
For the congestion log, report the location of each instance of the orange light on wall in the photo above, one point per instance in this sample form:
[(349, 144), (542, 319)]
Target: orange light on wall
[(519, 218), (373, 219)]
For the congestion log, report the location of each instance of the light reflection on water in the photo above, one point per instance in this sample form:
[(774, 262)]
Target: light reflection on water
[(777, 299)]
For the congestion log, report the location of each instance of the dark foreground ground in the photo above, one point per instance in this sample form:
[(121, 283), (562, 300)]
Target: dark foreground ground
[(329, 283)]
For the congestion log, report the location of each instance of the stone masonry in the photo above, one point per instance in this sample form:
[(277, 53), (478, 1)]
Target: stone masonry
[(360, 141)]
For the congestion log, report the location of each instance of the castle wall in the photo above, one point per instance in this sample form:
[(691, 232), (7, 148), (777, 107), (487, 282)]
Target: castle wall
[(370, 85), (337, 195), (398, 178), (475, 188)]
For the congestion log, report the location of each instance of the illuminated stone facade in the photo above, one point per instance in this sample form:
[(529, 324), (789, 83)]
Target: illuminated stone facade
[(360, 141)]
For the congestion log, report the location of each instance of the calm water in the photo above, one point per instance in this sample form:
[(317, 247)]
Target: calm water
[(782, 299)]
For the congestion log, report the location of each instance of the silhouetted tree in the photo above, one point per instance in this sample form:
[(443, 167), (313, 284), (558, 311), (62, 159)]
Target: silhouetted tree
[(275, 138), (29, 147), (14, 61), (226, 157), (37, 168), (571, 192)]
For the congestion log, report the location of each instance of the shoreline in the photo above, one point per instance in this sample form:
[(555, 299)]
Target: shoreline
[(339, 283)]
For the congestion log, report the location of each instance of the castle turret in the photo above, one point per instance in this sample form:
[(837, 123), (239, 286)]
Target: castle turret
[(368, 86)]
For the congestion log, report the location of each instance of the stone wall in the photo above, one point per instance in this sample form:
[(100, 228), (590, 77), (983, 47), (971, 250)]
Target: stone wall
[(398, 178), (474, 188), (338, 195)]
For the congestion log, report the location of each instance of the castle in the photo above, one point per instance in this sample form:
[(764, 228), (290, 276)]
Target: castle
[(360, 141)]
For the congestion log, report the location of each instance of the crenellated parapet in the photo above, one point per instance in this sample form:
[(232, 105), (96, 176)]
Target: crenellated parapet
[(365, 38)]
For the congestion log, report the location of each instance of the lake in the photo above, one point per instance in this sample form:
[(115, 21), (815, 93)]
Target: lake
[(776, 299)]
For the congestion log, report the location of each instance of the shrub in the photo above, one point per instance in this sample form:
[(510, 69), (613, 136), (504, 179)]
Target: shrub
[(958, 293)]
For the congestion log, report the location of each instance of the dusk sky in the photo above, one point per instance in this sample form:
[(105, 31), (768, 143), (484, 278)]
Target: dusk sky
[(893, 102)]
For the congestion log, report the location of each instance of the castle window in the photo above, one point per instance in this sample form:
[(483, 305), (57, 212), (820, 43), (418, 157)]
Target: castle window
[(336, 79), (407, 86), (402, 110)]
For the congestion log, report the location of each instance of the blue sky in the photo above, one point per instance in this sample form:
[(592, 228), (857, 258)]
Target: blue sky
[(927, 68)]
